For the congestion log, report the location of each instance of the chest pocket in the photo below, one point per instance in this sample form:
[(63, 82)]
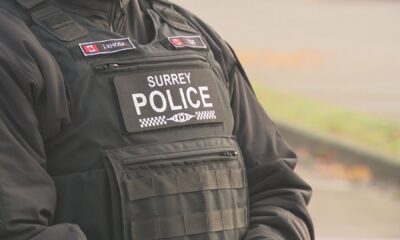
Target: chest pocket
[(166, 91), (194, 189)]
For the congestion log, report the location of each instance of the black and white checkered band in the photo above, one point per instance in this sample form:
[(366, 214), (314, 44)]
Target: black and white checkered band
[(152, 121), (206, 115), (162, 120)]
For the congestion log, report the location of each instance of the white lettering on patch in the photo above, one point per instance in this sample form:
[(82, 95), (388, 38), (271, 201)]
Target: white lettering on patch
[(171, 79), (161, 101)]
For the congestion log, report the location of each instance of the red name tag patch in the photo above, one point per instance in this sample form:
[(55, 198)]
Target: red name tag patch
[(187, 42), (106, 46)]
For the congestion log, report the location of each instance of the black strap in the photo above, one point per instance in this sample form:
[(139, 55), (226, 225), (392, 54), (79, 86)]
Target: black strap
[(29, 4), (48, 15), (172, 17)]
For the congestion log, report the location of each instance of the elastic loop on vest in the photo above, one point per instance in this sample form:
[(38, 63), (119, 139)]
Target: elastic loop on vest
[(29, 4), (192, 224), (172, 17), (142, 188)]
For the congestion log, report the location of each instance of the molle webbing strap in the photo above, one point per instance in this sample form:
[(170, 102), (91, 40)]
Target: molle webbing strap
[(192, 224), (172, 17), (142, 188), (49, 16)]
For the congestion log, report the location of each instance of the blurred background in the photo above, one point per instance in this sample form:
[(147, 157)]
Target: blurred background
[(328, 73)]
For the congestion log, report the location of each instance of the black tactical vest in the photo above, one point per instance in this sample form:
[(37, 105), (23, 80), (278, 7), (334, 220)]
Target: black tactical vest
[(149, 153)]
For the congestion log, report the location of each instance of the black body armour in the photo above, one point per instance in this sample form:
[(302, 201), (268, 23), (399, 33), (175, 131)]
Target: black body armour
[(149, 153)]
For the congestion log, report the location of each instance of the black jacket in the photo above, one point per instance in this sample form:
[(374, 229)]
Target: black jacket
[(39, 112)]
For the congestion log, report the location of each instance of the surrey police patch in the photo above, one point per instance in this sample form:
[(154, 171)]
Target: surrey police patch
[(164, 99)]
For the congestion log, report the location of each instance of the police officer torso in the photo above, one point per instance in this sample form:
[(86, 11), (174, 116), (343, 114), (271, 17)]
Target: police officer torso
[(148, 153)]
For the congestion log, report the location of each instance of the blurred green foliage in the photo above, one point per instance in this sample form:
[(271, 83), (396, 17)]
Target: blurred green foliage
[(374, 133)]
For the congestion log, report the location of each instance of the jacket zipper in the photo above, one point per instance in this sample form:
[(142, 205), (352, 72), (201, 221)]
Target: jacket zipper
[(151, 63), (216, 154)]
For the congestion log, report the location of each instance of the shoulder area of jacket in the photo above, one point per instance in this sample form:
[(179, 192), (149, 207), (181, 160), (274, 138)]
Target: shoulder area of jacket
[(222, 51), (20, 50), (16, 35)]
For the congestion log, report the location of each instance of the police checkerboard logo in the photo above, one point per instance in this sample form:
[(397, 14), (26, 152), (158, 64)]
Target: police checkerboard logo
[(206, 115), (152, 121)]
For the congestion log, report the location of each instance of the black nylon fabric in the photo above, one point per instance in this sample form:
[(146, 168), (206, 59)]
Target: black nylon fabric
[(60, 115), (137, 24), (125, 16)]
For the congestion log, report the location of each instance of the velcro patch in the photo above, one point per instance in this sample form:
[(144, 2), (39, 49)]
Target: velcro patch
[(165, 99), (187, 42), (106, 46)]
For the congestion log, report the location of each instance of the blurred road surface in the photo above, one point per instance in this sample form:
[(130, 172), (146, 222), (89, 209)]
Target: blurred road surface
[(345, 210), (343, 52), (346, 52)]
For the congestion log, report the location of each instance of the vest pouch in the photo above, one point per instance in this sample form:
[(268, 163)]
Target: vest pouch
[(193, 189)]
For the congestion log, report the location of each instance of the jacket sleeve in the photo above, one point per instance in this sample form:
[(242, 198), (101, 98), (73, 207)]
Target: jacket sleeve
[(278, 197), (27, 192)]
